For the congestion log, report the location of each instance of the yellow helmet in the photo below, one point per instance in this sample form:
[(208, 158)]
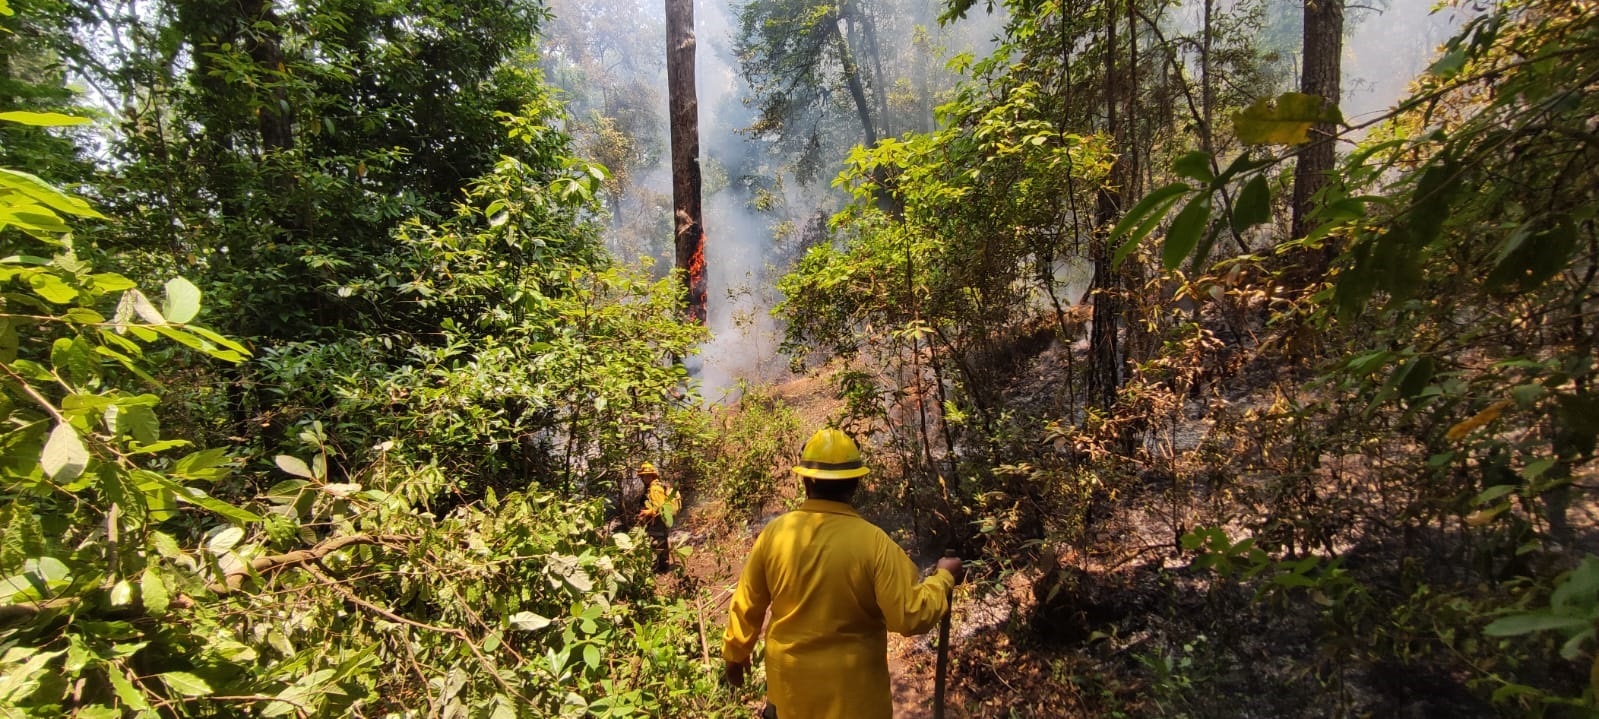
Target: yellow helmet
[(645, 469), (831, 454)]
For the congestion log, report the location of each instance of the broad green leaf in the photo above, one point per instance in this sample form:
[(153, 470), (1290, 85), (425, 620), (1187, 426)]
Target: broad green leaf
[(121, 594), (84, 315), (165, 545), (198, 498), (183, 300), (286, 491), (1519, 624), (528, 621), (1495, 492), (1185, 231), (125, 690), (153, 590), (1573, 646), (44, 193), (111, 282), (1195, 166), (186, 684), (207, 465), (1253, 206), (218, 339), (224, 540), (1432, 199), (64, 457), (42, 119), (52, 288), (186, 338), (1449, 64), (1581, 587), (1284, 120), (34, 219), (1141, 220), (293, 465), (1411, 378)]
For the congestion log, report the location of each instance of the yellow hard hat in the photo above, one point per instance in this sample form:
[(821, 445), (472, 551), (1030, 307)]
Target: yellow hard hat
[(831, 454), (645, 469)]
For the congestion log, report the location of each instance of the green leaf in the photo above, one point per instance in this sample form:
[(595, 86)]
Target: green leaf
[(529, 621), (1432, 198), (64, 457), (42, 119), (153, 591), (1533, 622), (183, 300), (129, 695), (84, 316), (44, 193), (1285, 120), (1253, 206), (1413, 376), (207, 464), (165, 545), (293, 465), (52, 288), (1185, 231), (1144, 216), (111, 282), (198, 498), (186, 684), (225, 539), (218, 339), (1581, 587), (1194, 165), (1449, 64), (1495, 492)]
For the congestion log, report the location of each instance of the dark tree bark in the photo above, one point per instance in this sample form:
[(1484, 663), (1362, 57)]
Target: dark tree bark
[(684, 114), (1321, 75), (857, 89), (265, 44), (1104, 362)]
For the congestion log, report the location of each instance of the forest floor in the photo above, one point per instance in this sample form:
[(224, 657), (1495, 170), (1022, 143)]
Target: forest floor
[(1121, 625)]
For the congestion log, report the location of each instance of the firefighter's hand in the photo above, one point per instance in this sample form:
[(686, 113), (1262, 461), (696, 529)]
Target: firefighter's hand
[(953, 566), (735, 673)]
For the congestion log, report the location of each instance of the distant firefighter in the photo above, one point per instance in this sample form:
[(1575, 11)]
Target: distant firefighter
[(661, 504)]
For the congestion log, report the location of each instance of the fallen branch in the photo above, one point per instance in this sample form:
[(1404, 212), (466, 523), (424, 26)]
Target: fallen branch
[(230, 582), (260, 565), (460, 634)]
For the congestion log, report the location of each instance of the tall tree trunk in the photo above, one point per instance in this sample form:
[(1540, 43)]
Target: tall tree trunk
[(879, 80), (857, 91), (1104, 364), (684, 112), (264, 42), (1324, 40)]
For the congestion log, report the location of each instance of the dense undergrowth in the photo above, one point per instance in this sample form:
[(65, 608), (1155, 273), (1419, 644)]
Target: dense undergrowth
[(385, 467), (1343, 474)]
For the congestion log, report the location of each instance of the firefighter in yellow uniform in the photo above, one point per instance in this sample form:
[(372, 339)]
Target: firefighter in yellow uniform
[(661, 504), (835, 585)]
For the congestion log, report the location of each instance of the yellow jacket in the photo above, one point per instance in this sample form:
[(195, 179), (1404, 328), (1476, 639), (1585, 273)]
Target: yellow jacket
[(835, 584), (662, 501)]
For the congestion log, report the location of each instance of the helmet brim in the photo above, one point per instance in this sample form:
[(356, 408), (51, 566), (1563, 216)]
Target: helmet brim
[(814, 473)]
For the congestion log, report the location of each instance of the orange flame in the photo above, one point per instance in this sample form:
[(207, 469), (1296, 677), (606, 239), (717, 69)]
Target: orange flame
[(696, 280)]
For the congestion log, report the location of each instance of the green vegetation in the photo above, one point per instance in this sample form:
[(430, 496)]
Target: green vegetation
[(323, 397)]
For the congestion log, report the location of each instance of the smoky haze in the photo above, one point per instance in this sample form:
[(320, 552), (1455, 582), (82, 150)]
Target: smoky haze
[(608, 58)]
